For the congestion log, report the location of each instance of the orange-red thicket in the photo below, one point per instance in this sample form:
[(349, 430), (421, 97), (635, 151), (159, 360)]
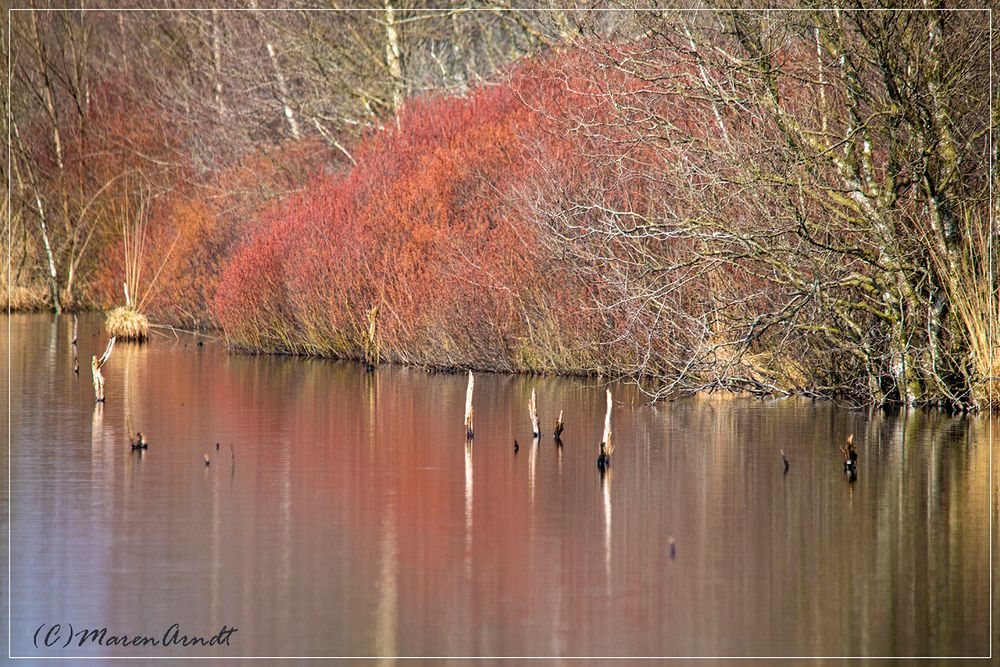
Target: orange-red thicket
[(192, 221), (428, 226)]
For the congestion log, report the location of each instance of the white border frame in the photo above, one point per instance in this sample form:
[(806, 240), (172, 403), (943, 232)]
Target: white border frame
[(990, 343)]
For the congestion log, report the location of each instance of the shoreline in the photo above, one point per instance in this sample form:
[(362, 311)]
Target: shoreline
[(603, 379)]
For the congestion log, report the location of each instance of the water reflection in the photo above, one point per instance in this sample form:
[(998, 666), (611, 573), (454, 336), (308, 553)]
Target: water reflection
[(352, 525), (532, 466), (606, 502), (102, 448), (468, 509), (388, 588)]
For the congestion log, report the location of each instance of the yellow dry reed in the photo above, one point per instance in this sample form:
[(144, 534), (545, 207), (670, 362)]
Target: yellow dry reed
[(127, 324)]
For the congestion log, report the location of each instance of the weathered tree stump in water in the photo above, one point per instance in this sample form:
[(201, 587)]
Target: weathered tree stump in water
[(557, 433), (96, 365), (536, 428), (850, 459), (468, 407), (604, 458)]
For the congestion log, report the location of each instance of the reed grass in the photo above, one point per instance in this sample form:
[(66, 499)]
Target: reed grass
[(128, 322), (125, 323), (975, 301)]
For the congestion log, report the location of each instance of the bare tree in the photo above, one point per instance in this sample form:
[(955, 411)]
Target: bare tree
[(789, 201)]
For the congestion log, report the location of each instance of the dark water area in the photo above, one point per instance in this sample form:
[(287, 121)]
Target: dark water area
[(343, 514)]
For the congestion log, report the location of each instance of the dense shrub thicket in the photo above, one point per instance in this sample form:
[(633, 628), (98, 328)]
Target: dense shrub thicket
[(427, 226)]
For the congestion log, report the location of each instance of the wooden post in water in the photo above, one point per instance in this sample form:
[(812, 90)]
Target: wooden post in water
[(604, 458), (557, 434), (96, 365), (468, 407), (536, 428)]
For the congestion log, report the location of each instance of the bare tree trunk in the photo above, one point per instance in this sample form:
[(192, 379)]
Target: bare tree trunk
[(217, 63), (279, 75), (47, 94), (822, 83), (53, 279), (393, 56), (123, 58), (43, 228), (944, 220), (293, 124), (707, 83)]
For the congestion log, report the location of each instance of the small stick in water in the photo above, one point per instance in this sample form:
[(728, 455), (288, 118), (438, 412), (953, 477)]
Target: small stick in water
[(468, 407), (671, 547), (604, 458), (217, 446), (784, 458), (559, 429), (536, 429), (76, 359), (516, 446), (208, 461)]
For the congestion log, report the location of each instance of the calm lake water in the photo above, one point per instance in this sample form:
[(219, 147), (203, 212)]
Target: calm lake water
[(344, 515)]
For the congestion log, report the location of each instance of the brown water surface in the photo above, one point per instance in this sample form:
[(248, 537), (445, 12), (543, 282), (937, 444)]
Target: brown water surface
[(344, 515)]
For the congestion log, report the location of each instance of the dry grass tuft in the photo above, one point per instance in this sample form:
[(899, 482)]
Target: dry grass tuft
[(127, 324)]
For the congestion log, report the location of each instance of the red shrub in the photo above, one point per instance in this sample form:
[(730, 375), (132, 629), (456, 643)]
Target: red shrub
[(423, 226)]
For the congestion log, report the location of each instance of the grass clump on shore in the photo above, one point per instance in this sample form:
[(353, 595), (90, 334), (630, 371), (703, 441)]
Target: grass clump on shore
[(127, 324)]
